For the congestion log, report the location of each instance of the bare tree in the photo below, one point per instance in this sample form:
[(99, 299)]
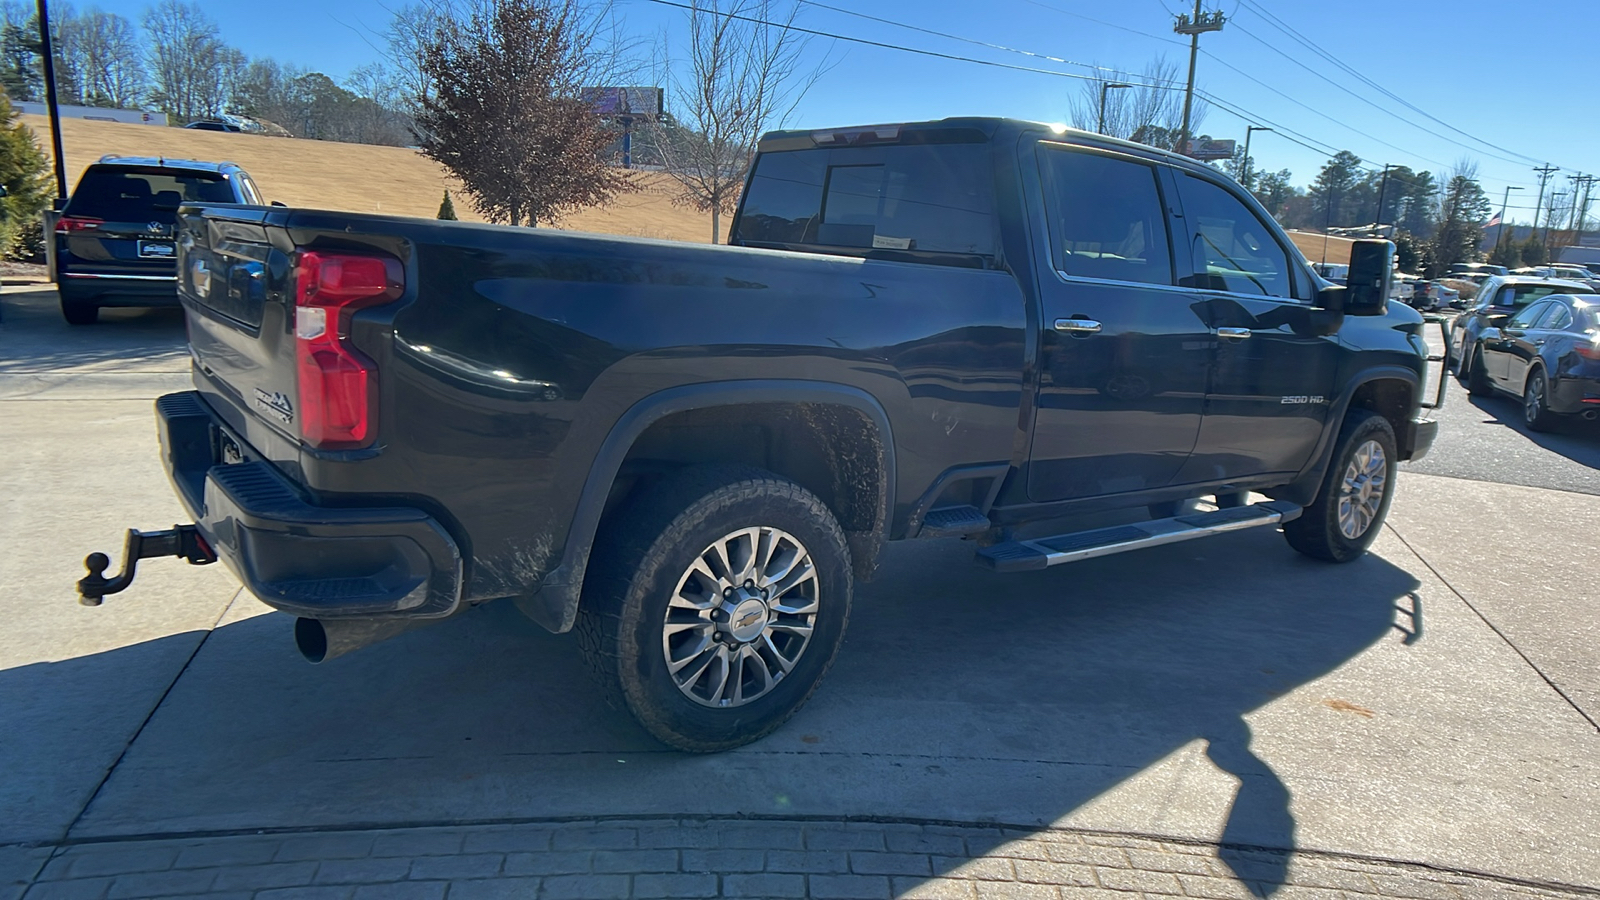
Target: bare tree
[(744, 76), (192, 69), (1149, 110), (504, 112), (108, 52)]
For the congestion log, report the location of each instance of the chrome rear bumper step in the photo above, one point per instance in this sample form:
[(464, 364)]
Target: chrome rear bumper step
[(1042, 553)]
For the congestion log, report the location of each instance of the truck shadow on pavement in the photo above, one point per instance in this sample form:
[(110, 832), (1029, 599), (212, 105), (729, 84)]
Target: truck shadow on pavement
[(1087, 696), (43, 341)]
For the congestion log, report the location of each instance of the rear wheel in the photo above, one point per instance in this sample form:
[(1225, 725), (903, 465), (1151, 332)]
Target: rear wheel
[(79, 312), (1536, 403), (1349, 509), (714, 605)]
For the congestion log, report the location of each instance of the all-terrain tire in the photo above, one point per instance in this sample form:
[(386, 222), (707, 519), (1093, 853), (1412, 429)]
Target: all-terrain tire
[(643, 554), (1318, 533)]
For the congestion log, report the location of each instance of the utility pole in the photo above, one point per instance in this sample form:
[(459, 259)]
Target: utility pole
[(1200, 24), (1545, 171), (50, 101), (1580, 209), (1583, 213), (1249, 130), (1503, 207), (1383, 187)]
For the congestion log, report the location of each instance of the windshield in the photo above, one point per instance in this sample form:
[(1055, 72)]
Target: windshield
[(144, 195), (1520, 295)]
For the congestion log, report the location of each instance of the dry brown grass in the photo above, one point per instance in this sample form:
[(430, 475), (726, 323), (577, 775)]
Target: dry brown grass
[(1338, 248), (356, 177)]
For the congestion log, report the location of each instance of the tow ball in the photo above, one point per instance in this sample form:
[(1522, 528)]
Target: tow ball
[(180, 540)]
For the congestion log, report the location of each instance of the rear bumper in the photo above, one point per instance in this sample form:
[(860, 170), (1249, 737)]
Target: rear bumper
[(310, 560), (112, 289), (1571, 395)]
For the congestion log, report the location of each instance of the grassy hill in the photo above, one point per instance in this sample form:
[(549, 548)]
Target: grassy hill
[(355, 177)]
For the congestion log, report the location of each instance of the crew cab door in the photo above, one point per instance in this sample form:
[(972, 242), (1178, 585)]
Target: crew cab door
[(1124, 353), (1272, 379)]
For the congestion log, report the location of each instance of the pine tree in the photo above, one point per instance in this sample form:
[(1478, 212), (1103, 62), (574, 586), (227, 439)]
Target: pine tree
[(1534, 252), (25, 175), (447, 209)]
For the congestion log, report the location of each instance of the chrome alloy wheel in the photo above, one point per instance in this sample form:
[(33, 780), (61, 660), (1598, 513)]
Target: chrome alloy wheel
[(1533, 399), (740, 617), (1361, 491)]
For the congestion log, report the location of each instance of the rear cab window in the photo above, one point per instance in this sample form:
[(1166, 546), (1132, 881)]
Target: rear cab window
[(123, 194), (925, 202)]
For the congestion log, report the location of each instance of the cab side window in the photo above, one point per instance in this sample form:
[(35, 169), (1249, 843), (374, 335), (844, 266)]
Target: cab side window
[(1232, 250), (1106, 216)]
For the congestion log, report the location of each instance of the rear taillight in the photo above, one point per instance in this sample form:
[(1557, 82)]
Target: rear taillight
[(1589, 349), (69, 224), (338, 399)]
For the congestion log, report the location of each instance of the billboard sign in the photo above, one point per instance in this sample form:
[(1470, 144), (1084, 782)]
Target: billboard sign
[(638, 102), (1206, 148)]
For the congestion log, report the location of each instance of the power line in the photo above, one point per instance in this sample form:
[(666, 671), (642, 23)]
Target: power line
[(1279, 24)]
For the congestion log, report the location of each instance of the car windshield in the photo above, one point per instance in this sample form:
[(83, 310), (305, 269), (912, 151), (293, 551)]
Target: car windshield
[(144, 195), (1520, 295)]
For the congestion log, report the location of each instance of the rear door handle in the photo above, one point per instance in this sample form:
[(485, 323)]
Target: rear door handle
[(1078, 326), (1236, 334)]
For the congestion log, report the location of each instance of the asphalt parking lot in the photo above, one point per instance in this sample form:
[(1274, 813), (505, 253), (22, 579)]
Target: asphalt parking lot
[(1425, 717)]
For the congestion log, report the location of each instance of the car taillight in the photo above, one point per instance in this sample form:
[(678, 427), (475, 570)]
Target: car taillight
[(69, 224), (338, 400), (1589, 349)]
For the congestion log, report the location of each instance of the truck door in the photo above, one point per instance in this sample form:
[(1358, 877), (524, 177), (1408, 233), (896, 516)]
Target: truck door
[(1124, 354), (1272, 379)]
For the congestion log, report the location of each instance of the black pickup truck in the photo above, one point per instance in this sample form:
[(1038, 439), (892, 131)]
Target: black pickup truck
[(688, 453)]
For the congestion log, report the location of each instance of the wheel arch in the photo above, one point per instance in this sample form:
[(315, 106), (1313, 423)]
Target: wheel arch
[(1391, 391), (854, 473)]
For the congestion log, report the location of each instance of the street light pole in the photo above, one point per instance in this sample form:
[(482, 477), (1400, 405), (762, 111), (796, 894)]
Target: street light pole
[(1100, 126), (1249, 130)]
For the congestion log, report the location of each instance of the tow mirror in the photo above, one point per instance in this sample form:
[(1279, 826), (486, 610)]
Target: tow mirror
[(1371, 278)]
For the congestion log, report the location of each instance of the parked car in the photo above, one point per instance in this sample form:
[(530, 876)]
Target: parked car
[(1403, 287), (1548, 354), (1464, 268), (1423, 297), (1444, 295), (1500, 295), (113, 243), (1334, 272), (1565, 273), (686, 452), (1465, 285), (214, 125)]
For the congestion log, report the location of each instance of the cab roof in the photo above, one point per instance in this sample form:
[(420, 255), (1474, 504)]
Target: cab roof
[(162, 162), (955, 130)]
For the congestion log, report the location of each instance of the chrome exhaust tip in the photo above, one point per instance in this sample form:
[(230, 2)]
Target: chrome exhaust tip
[(320, 640)]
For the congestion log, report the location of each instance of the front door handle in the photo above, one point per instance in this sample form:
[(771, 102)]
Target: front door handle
[(1078, 326), (1237, 334)]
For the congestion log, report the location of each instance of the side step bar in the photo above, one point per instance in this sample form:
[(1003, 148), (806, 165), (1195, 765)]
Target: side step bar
[(1041, 553)]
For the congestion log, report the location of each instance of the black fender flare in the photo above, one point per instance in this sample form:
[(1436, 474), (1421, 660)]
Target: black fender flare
[(1303, 489), (555, 604)]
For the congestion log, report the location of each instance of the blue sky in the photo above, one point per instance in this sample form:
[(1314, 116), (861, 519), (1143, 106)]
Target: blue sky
[(1471, 64)]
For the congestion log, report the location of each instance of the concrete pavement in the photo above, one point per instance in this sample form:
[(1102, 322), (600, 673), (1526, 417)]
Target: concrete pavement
[(1417, 706)]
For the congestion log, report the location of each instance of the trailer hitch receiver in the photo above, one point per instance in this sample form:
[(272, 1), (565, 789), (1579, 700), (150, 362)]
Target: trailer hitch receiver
[(180, 540)]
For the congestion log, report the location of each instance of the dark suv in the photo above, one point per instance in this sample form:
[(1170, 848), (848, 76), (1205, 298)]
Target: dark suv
[(113, 243)]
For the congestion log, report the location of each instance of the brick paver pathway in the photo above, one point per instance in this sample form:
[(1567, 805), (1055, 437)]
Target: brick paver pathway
[(674, 858)]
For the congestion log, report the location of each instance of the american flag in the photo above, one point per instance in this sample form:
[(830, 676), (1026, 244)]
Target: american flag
[(1493, 221)]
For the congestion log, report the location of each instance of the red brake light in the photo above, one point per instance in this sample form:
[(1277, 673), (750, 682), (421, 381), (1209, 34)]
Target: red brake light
[(1589, 349), (69, 224), (338, 401)]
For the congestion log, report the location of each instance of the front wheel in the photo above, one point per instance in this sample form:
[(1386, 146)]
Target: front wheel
[(715, 604), (1349, 509), (1536, 403)]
